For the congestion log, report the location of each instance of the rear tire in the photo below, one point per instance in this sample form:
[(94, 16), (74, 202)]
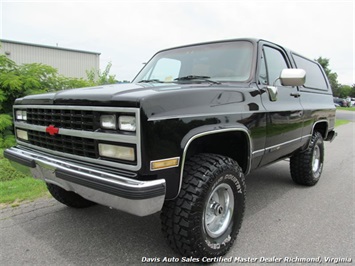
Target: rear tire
[(68, 198), (306, 166), (204, 220)]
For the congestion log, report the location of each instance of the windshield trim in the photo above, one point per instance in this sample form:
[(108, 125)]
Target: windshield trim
[(252, 72)]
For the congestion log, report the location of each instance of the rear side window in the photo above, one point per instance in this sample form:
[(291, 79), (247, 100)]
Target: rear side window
[(314, 75)]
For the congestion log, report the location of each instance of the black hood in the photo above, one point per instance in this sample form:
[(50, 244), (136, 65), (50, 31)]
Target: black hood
[(127, 95), (157, 100), (124, 95)]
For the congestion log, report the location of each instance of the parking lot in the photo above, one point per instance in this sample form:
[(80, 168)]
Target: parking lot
[(282, 220)]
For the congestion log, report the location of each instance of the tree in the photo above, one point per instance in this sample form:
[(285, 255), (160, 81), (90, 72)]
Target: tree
[(332, 76), (345, 91), (101, 78), (20, 80)]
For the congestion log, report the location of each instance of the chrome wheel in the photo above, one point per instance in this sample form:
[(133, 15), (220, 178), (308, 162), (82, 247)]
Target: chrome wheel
[(204, 220), (219, 210), (316, 159)]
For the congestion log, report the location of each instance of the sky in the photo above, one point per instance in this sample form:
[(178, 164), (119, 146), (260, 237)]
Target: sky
[(129, 33)]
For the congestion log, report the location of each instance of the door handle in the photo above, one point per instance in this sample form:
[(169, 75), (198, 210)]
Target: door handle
[(295, 94)]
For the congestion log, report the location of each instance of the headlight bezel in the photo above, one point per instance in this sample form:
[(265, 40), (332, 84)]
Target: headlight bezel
[(118, 122)]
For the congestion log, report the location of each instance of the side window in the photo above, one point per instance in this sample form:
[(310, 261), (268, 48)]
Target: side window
[(314, 75), (275, 63), (262, 72)]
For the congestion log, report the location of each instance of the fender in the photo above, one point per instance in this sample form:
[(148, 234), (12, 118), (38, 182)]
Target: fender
[(326, 129), (209, 130), (306, 138)]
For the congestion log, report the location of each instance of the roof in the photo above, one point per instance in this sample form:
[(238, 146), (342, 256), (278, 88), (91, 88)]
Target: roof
[(49, 47)]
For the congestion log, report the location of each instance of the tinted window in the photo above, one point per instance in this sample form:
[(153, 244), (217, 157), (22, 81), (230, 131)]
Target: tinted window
[(165, 70), (275, 63), (224, 61), (314, 76)]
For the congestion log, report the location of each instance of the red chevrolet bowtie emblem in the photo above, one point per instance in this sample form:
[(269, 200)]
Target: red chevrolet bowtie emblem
[(52, 130)]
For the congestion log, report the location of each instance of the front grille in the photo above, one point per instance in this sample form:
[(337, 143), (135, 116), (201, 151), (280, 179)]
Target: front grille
[(63, 118), (68, 144), (49, 128)]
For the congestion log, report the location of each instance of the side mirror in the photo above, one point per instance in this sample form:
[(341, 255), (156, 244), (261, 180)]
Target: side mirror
[(292, 77)]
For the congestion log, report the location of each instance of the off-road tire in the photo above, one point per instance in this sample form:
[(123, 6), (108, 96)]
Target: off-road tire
[(209, 180), (306, 166), (68, 198)]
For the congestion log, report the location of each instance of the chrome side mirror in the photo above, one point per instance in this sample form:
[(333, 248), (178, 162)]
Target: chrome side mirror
[(293, 77)]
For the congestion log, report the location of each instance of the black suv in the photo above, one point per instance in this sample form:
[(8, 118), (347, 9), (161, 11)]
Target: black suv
[(181, 137)]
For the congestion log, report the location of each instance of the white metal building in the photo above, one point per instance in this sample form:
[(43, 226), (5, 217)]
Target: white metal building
[(69, 62)]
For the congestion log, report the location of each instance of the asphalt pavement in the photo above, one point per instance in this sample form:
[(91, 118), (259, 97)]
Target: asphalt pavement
[(284, 224), (347, 115)]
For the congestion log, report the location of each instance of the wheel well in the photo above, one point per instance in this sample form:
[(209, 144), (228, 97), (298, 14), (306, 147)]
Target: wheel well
[(231, 144), (322, 128)]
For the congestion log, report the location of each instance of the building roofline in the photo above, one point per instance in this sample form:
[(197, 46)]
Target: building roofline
[(48, 46)]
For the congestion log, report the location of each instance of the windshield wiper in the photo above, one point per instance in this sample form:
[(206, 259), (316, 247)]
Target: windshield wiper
[(150, 80), (195, 77)]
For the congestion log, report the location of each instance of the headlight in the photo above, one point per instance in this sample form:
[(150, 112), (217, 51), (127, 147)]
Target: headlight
[(21, 115), (127, 123), (117, 152), (108, 121)]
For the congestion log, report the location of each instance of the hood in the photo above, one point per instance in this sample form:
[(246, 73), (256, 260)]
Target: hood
[(106, 95), (159, 100), (124, 95)]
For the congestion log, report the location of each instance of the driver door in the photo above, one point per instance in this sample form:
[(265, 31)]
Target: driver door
[(284, 112)]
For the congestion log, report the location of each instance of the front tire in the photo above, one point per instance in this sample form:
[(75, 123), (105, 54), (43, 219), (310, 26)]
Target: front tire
[(68, 198), (307, 166), (204, 220)]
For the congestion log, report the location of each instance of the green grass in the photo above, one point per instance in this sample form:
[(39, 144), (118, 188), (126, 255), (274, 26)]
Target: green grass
[(7, 172), (340, 122), (347, 108), (16, 187), (14, 191)]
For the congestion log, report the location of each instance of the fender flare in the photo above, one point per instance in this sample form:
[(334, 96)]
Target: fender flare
[(209, 130), (312, 132)]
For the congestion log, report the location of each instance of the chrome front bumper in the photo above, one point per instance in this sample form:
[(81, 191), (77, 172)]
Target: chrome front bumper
[(132, 196)]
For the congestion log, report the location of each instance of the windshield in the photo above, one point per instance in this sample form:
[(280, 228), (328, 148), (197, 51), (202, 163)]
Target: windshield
[(225, 61)]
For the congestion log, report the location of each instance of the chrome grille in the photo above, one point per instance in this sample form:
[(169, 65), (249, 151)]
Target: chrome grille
[(68, 144), (64, 118), (79, 132)]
